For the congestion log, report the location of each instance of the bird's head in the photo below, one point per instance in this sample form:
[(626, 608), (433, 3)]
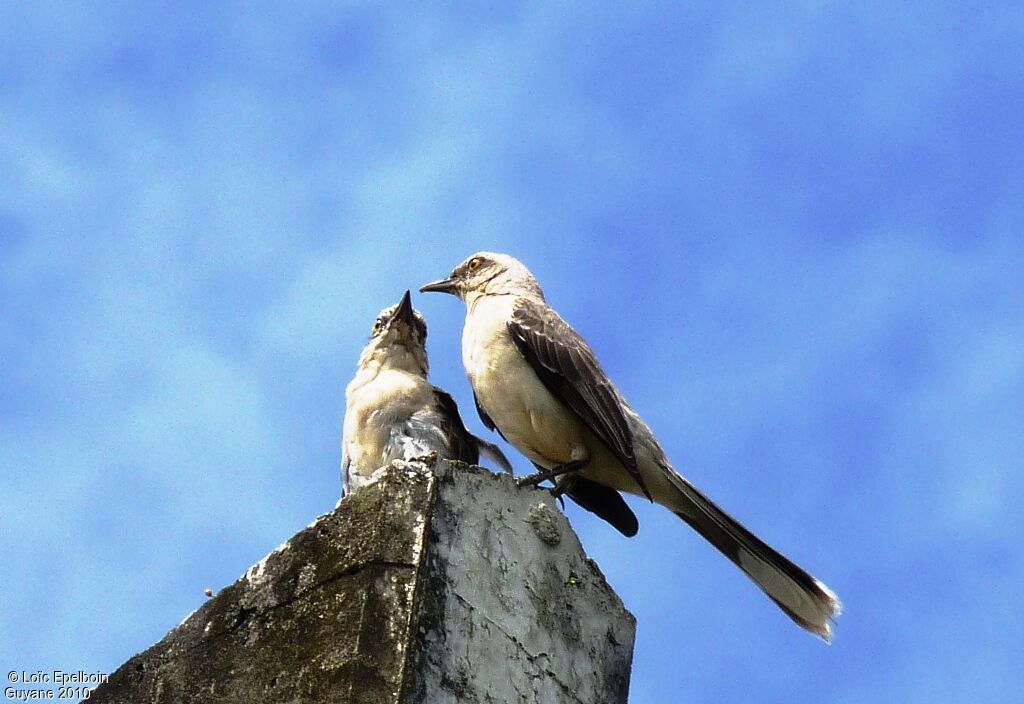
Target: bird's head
[(487, 273), (398, 337)]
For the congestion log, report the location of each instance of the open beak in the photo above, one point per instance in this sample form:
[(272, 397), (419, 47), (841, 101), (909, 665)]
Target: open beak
[(442, 286), (404, 311)]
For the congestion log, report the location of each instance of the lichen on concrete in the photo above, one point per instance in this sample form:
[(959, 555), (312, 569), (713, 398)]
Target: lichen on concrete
[(437, 583)]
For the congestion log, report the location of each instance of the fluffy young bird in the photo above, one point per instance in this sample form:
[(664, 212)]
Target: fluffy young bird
[(540, 385), (393, 413)]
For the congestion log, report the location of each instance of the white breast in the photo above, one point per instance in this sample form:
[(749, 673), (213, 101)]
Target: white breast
[(525, 412), (378, 406)]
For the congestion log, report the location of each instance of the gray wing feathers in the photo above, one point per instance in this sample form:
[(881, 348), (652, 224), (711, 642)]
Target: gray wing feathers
[(418, 436), (461, 443), (569, 369), (466, 446)]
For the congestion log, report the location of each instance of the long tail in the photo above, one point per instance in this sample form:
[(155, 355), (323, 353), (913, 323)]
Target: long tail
[(804, 599), (494, 453)]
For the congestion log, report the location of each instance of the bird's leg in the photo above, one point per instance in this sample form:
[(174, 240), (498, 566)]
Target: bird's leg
[(557, 490), (537, 477)]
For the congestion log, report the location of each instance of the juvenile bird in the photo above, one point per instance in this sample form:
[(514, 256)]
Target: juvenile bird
[(540, 385), (393, 412)]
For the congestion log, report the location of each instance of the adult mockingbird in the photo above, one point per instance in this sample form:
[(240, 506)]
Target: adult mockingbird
[(393, 412), (539, 384)]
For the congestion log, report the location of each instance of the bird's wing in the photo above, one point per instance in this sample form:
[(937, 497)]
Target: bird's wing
[(462, 442), (568, 368), (481, 446), (484, 418)]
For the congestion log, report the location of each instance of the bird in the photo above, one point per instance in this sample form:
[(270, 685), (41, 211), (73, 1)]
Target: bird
[(393, 413), (539, 384)]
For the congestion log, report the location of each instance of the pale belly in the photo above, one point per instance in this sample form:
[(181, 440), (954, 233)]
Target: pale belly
[(542, 428), (368, 433), (533, 420), (527, 414)]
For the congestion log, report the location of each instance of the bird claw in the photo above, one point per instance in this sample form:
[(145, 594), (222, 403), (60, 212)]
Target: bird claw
[(537, 477), (557, 492)]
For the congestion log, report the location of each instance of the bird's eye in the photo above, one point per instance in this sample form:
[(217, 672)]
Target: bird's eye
[(475, 263), (378, 326)]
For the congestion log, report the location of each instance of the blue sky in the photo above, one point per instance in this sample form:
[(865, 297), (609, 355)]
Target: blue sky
[(792, 235)]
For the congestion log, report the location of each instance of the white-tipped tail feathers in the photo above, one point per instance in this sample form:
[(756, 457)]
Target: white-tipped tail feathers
[(803, 598)]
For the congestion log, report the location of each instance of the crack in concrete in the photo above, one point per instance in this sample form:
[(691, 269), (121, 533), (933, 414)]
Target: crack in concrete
[(529, 656)]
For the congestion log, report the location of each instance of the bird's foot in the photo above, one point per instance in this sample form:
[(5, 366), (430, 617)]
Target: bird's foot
[(557, 493), (537, 477)]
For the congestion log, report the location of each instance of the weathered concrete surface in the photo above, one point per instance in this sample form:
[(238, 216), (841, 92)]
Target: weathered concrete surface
[(442, 584)]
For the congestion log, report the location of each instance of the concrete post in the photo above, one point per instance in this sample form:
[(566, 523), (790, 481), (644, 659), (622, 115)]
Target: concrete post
[(434, 584)]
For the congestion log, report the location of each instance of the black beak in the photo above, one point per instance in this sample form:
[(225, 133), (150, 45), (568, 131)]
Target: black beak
[(404, 311), (442, 286)]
